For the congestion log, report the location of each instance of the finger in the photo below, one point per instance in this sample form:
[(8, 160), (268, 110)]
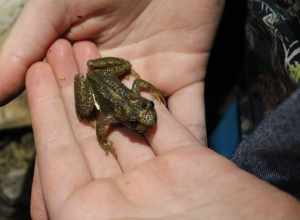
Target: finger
[(156, 69), (131, 149), (38, 25), (37, 204), (62, 60), (169, 134), (62, 166), (187, 106)]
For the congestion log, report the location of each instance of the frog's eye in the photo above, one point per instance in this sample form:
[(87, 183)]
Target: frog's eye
[(144, 105), (151, 104), (147, 105)]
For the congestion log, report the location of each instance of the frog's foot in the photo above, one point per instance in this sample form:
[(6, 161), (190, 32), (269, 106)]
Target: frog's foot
[(92, 124), (133, 74), (103, 124), (157, 95), (107, 146), (140, 84)]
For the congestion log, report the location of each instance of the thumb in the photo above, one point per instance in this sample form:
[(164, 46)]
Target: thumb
[(39, 24)]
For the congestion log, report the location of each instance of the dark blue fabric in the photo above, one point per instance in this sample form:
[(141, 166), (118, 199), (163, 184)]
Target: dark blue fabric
[(226, 137), (272, 152)]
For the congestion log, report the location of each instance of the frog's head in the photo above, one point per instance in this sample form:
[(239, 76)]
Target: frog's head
[(147, 113), (142, 115)]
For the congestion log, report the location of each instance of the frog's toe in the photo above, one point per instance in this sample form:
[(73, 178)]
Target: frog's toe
[(132, 74), (159, 97), (135, 74), (107, 146)]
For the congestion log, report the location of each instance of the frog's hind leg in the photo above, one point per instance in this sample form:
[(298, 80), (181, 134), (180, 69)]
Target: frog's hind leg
[(84, 100), (140, 84), (103, 125), (113, 65)]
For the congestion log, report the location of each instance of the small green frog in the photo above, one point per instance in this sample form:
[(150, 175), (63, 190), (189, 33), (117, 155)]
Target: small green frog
[(101, 95)]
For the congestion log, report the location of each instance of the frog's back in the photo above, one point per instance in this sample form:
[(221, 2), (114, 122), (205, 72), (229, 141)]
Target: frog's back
[(109, 86), (109, 92)]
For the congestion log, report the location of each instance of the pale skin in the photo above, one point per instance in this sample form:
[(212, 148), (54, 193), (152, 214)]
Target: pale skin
[(167, 175), (170, 175), (138, 33)]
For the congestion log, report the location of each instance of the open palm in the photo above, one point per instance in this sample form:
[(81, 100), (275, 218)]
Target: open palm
[(170, 40), (166, 175)]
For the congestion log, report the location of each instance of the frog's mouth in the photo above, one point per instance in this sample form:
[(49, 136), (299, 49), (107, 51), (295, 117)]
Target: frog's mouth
[(141, 129), (137, 127), (147, 118)]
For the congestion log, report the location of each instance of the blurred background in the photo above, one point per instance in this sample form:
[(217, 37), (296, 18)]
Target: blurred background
[(16, 140)]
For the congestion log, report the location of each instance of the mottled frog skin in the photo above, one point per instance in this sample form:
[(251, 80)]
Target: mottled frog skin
[(101, 95)]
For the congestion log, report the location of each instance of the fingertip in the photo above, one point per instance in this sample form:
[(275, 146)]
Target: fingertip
[(58, 47), (84, 51), (85, 45), (12, 77), (61, 58)]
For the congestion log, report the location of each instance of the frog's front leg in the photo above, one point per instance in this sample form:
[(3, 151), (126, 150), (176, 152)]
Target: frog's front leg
[(140, 84), (103, 125), (84, 100)]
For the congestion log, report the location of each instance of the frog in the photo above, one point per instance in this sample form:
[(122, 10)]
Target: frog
[(101, 96)]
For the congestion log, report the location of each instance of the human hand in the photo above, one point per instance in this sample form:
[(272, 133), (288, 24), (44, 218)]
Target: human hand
[(153, 34), (167, 175)]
